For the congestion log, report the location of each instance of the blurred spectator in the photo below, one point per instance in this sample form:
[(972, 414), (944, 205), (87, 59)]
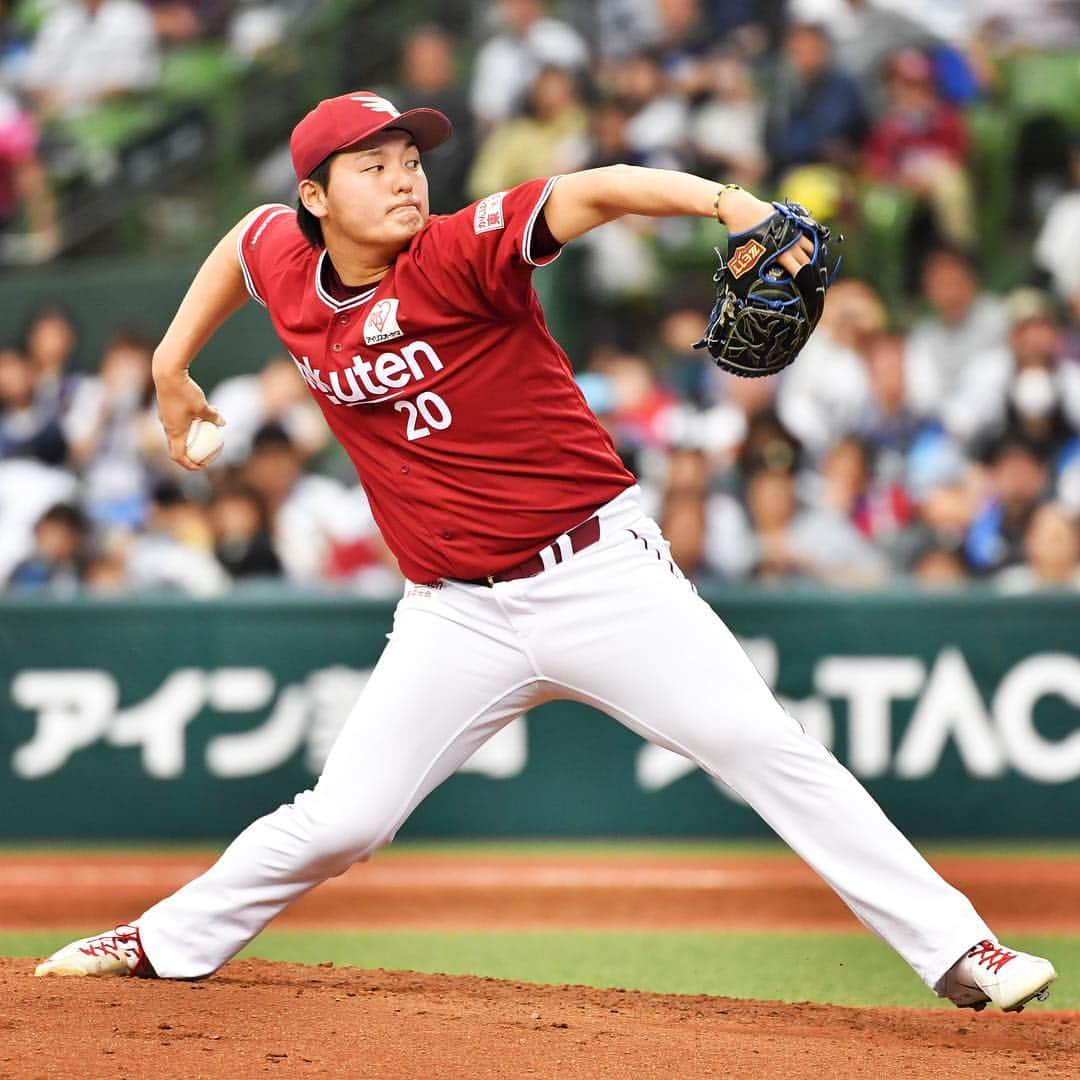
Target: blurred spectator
[(507, 64), (754, 27), (622, 275), (939, 568), (865, 33), (727, 129), (945, 491), (1030, 389), (1052, 547), (59, 560), (886, 421), (1015, 25), (819, 542), (27, 489), (106, 574), (639, 124), (1067, 488), (945, 349), (242, 540), (771, 501), (641, 405), (684, 37), (275, 395), (428, 77), (181, 21), (1017, 482), (49, 339), (29, 427), (769, 445), (1057, 249), (175, 552), (709, 532), (257, 27), (610, 142), (714, 408), (625, 27), (957, 23), (878, 506), (822, 395), (114, 437), (88, 51), (682, 515), (657, 128), (321, 529), (816, 113), (24, 188), (920, 143), (832, 537), (13, 41), (550, 138)]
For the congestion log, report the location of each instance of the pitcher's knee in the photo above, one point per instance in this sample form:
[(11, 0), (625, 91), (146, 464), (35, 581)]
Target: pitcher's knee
[(334, 839)]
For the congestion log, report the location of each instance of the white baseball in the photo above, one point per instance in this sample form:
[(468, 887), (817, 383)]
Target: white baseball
[(204, 442)]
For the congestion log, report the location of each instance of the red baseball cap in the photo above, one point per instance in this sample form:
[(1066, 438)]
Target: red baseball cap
[(340, 122)]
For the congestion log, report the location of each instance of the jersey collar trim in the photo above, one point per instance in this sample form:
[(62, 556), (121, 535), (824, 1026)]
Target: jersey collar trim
[(329, 301)]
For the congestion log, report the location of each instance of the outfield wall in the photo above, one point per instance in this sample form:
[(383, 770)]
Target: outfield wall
[(165, 718)]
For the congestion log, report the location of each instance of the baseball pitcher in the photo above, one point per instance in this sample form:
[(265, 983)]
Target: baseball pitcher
[(531, 571)]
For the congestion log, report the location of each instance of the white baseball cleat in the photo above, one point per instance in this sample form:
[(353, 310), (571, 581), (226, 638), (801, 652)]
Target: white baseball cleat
[(991, 973), (115, 952)]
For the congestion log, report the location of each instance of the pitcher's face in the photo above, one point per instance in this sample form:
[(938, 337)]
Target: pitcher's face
[(377, 194)]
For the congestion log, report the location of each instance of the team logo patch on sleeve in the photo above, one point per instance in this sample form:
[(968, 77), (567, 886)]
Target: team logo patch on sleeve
[(489, 213), (745, 258), (382, 324)]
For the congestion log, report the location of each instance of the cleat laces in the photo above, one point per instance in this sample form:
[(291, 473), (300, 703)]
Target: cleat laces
[(991, 956), (122, 943)]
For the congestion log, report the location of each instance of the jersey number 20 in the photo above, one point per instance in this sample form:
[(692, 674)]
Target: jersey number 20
[(428, 407)]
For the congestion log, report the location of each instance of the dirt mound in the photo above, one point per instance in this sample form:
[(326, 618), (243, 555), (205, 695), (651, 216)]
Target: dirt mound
[(256, 1018)]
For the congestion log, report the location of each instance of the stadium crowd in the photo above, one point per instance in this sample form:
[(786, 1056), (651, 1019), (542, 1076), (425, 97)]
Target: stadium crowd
[(933, 441)]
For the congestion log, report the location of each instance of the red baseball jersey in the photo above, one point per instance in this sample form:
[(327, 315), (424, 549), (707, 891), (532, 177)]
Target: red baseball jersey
[(457, 407)]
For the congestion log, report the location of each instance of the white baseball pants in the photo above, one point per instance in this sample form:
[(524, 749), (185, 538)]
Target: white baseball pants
[(616, 626)]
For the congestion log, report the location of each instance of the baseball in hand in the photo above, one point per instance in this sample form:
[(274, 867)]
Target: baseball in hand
[(204, 442)]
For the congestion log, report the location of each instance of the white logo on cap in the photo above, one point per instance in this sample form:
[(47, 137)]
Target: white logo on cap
[(375, 104)]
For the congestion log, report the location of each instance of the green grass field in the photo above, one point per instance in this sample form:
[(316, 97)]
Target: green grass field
[(842, 969)]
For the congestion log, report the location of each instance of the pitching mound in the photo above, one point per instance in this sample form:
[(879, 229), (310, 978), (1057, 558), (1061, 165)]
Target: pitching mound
[(256, 1018)]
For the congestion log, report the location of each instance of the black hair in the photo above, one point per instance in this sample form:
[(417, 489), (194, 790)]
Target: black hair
[(68, 515), (1008, 442), (308, 223), (50, 309), (127, 336), (958, 253), (234, 489), (167, 493), (271, 436)]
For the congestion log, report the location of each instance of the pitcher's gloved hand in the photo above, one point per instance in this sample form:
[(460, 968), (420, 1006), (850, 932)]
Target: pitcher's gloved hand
[(763, 315)]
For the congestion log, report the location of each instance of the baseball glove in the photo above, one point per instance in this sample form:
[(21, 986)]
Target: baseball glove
[(763, 316)]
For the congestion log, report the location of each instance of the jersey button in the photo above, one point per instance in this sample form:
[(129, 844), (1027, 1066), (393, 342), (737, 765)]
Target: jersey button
[(336, 346), (447, 534), (404, 470), (343, 319)]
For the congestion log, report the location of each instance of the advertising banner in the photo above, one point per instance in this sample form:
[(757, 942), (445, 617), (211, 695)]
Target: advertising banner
[(167, 718)]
